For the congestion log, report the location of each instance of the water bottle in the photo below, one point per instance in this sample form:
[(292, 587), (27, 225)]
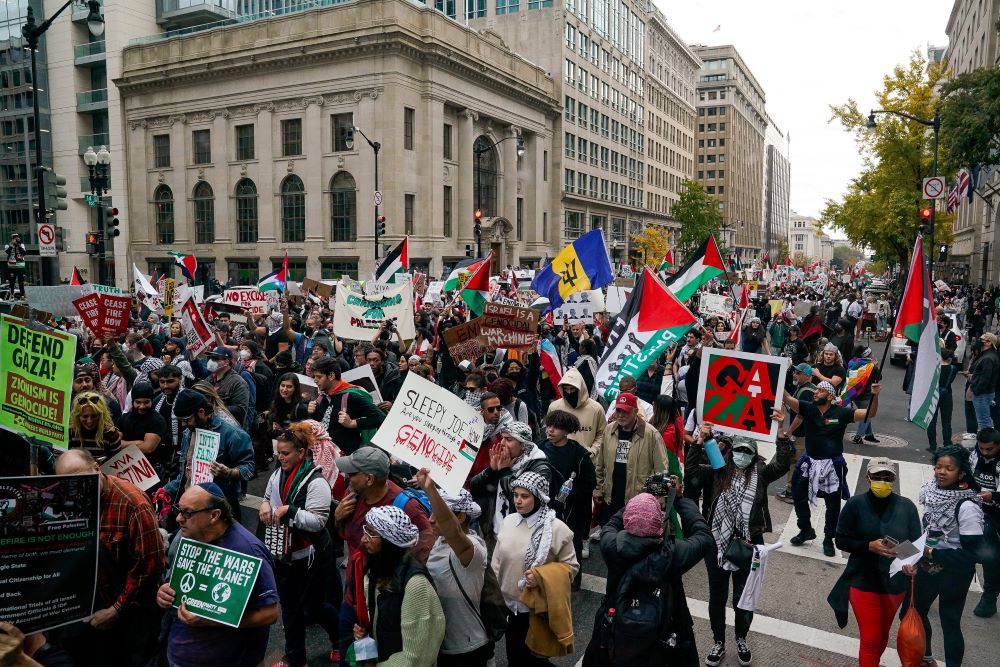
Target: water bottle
[(715, 458), (933, 538), (565, 490)]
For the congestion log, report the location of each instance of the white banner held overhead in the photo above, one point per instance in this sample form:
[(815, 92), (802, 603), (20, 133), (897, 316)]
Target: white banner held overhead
[(359, 316), (580, 307)]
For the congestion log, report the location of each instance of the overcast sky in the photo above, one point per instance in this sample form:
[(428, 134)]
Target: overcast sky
[(809, 55)]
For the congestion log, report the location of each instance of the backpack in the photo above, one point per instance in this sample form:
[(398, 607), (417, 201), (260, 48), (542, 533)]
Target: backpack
[(990, 551), (407, 494), (642, 614)]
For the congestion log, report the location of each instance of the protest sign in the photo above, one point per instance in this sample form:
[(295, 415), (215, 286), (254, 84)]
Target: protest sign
[(508, 327), (307, 387), (132, 465), (213, 582), (116, 312), (317, 288), (183, 292), (580, 307), (250, 299), (429, 427), (616, 298), (359, 316), (56, 299), (36, 374), (91, 311), (206, 450), (106, 289), (776, 306), (197, 335), (168, 296), (752, 286), (363, 377), (715, 305), (433, 293), (48, 554), (738, 390), (463, 341)]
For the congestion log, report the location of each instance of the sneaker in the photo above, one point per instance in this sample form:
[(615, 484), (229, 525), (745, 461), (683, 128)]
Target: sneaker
[(743, 652), (828, 549), (856, 440), (716, 655), (585, 551), (871, 438), (803, 537), (987, 606), (786, 495)]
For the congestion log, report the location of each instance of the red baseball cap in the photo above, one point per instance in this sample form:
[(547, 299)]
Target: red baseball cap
[(627, 402)]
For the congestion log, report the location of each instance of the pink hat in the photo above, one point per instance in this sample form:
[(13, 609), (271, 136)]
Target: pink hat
[(643, 516)]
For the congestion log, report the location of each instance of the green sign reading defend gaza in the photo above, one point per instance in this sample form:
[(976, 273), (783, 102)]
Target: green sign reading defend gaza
[(212, 582)]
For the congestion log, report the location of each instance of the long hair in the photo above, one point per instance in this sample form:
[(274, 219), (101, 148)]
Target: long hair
[(209, 392), (300, 435), (94, 401), (664, 412), (278, 405)]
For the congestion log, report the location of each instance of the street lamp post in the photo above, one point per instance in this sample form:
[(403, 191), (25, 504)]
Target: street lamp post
[(478, 214), (934, 124), (99, 168), (32, 32), (376, 147)]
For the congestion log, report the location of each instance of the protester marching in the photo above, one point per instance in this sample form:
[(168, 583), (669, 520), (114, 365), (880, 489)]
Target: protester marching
[(407, 471)]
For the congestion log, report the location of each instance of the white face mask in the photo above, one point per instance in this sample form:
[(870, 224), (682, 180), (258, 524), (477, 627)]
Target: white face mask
[(245, 355), (212, 365)]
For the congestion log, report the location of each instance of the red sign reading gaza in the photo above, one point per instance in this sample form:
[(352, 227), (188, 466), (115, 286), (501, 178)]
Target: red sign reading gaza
[(738, 392)]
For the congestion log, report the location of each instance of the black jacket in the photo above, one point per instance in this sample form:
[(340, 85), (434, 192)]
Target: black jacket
[(576, 513), (985, 373)]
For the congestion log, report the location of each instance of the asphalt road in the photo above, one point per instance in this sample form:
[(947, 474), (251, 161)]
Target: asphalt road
[(794, 624)]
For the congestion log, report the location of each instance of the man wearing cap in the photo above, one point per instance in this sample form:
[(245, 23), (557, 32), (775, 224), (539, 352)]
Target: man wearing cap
[(14, 262), (367, 471), (984, 377), (122, 630), (630, 452), (232, 388), (822, 471), (802, 376), (234, 461), (206, 516)]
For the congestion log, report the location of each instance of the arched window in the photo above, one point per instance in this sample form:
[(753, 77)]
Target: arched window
[(485, 172), (293, 210), (246, 211), (343, 207), (204, 213), (163, 205)]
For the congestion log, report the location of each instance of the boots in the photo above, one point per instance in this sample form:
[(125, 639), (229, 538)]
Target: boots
[(987, 606)]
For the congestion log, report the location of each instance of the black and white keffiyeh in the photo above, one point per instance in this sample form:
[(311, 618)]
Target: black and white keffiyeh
[(939, 505), (463, 503), (731, 513), (392, 524), (541, 535)]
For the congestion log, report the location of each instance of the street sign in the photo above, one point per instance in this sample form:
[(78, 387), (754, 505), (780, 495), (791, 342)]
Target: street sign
[(934, 187), (47, 239), (92, 200), (378, 198)]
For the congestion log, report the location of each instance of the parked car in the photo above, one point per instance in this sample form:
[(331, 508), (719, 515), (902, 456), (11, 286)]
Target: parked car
[(899, 347)]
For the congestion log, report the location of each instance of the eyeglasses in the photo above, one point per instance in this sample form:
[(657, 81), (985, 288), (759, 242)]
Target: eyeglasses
[(84, 400), (369, 533), (744, 450), (492, 408), (187, 514)]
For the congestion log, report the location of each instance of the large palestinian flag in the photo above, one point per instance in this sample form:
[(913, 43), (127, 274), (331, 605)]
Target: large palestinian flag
[(395, 264), (706, 263), (476, 292), (916, 323), (650, 320), (453, 281)]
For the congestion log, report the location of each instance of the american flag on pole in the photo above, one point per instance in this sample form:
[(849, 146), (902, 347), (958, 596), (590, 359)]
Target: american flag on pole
[(953, 199), (964, 183)]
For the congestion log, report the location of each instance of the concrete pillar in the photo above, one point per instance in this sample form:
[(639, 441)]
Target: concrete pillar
[(218, 178), (268, 205), (313, 178), (508, 205), (465, 177), (180, 157)]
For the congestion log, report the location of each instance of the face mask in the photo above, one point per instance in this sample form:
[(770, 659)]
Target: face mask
[(245, 355), (881, 489), (212, 365), (742, 459)]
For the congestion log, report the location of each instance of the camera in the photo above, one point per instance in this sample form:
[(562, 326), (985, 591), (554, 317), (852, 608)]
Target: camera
[(659, 484)]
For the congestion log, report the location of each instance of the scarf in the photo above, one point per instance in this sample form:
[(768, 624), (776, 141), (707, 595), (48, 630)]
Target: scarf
[(939, 505), (360, 600), (283, 487), (341, 386), (324, 451), (731, 514), (173, 419), (541, 541), (492, 429)]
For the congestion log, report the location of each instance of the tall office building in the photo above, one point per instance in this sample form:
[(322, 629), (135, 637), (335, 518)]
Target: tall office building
[(972, 44), (777, 188), (730, 144)]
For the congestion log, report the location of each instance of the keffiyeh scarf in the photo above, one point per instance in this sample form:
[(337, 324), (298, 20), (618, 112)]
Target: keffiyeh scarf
[(731, 514), (392, 524), (939, 505), (324, 451)]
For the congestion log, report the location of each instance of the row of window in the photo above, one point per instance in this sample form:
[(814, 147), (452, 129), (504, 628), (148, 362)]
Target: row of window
[(711, 143), (578, 40), (615, 21), (581, 114), (712, 111), (712, 158), (575, 220), (711, 127), (248, 272), (598, 89), (581, 184), (711, 173), (579, 148)]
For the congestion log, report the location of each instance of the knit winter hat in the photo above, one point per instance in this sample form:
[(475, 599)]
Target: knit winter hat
[(392, 524), (643, 516), (142, 390), (535, 483)]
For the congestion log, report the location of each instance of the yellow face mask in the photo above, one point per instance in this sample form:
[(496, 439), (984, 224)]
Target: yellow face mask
[(881, 489)]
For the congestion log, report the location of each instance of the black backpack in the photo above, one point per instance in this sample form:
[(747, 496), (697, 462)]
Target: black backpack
[(639, 624)]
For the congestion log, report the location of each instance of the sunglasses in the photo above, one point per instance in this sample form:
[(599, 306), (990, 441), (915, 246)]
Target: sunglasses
[(85, 400), (493, 408), (369, 533)]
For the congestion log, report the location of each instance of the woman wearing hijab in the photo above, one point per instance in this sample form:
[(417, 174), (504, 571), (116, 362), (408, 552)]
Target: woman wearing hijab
[(866, 522), (529, 538), (297, 504), (400, 610), (457, 565), (953, 520)]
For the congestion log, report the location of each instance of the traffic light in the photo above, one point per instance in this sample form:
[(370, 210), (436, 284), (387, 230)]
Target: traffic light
[(93, 243), (55, 191), (925, 219), (468, 250), (943, 253), (380, 226), (477, 215), (109, 216)]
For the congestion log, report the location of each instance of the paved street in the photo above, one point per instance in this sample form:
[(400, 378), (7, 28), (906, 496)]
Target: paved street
[(795, 625)]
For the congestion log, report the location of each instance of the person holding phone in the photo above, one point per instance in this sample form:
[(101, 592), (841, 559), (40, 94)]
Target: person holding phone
[(871, 526)]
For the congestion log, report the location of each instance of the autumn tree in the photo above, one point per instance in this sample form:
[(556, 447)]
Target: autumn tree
[(698, 215), (652, 242)]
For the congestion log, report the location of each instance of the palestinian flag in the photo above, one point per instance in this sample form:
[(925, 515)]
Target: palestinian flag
[(76, 278), (395, 263), (275, 281), (916, 323), (706, 263), (652, 318), (668, 261), (476, 291), (188, 264), (465, 266)]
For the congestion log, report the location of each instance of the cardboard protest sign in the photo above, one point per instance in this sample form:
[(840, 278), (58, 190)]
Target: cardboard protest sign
[(580, 307), (132, 465), (616, 298), (197, 334), (429, 427), (91, 311), (359, 316), (317, 288), (464, 342), (717, 305), (363, 377), (776, 305), (36, 376), (213, 582), (250, 299), (508, 327), (206, 450), (738, 390), (48, 554), (56, 299)]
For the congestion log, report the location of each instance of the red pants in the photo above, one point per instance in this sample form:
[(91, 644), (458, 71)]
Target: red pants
[(875, 613)]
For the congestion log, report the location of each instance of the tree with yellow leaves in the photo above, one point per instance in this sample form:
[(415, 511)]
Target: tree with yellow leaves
[(652, 243)]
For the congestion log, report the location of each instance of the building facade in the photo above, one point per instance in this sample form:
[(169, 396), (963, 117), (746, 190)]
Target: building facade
[(807, 242), (730, 144), (972, 44), (777, 188), (238, 147)]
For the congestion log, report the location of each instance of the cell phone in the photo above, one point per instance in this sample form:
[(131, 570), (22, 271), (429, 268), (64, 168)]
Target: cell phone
[(890, 541)]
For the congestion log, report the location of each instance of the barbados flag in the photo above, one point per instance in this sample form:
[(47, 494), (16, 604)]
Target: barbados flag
[(582, 265)]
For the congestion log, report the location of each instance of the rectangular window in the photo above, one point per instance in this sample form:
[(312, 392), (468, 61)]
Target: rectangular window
[(593, 154), (520, 219), (569, 180), (545, 166), (594, 116), (570, 111), (341, 124), (335, 270), (581, 149), (446, 211), (161, 150), (408, 116), (408, 206), (583, 115), (296, 269), (244, 273), (244, 142), (291, 137), (604, 157), (570, 145), (201, 146), (447, 141), (507, 7), (475, 9), (574, 224)]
